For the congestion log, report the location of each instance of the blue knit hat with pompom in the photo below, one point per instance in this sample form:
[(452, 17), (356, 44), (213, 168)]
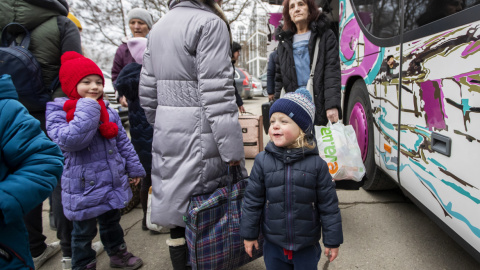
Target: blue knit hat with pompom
[(297, 105)]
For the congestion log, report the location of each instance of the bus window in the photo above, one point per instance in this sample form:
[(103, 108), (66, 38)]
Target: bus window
[(421, 12), (380, 18)]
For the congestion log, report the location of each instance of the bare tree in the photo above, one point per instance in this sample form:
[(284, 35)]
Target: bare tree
[(105, 26)]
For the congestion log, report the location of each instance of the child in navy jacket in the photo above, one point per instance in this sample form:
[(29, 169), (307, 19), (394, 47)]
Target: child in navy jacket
[(290, 184)]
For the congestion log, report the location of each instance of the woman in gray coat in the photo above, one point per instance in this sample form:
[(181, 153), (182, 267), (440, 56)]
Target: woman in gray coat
[(186, 90)]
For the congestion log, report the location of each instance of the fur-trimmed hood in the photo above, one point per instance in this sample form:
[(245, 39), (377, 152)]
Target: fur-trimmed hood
[(209, 5), (320, 25)]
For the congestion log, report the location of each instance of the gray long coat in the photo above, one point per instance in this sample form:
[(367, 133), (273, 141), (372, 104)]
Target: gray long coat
[(186, 90)]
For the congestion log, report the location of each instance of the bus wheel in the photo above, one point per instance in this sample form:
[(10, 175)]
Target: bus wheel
[(359, 115)]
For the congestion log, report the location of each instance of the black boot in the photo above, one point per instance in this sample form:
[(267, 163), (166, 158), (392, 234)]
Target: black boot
[(144, 200), (178, 253)]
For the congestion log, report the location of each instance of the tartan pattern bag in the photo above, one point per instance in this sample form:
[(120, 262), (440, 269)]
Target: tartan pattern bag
[(213, 229)]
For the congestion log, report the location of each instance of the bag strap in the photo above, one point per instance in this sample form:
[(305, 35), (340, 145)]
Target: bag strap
[(54, 85), (9, 40), (315, 57)]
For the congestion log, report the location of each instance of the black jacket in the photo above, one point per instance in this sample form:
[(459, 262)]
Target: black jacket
[(271, 73), (141, 131), (238, 98), (327, 79), (294, 191)]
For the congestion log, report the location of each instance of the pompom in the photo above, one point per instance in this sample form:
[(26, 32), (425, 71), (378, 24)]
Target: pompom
[(305, 92), (109, 130), (70, 55)]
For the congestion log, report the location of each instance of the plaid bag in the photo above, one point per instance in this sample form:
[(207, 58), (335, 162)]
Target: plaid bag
[(213, 229)]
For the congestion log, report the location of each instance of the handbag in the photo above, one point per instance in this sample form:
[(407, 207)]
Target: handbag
[(338, 146), (312, 70), (213, 228)]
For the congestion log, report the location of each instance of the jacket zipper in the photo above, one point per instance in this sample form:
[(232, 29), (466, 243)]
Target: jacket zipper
[(289, 210)]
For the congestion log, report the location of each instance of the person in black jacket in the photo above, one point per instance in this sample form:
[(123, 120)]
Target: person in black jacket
[(236, 47), (271, 75), (291, 193), (141, 132), (303, 24)]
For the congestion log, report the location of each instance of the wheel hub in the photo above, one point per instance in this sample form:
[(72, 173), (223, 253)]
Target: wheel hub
[(358, 120)]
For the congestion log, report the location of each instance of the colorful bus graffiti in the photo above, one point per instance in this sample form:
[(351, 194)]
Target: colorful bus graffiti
[(421, 99)]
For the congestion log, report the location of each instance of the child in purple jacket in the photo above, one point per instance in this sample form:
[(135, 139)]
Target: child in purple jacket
[(99, 159)]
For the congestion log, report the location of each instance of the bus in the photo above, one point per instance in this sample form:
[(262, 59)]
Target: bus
[(411, 90)]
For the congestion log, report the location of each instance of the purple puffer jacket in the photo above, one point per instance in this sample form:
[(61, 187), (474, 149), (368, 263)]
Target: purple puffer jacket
[(94, 178)]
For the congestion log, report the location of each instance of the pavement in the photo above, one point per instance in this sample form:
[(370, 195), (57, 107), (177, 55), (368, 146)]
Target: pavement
[(382, 230)]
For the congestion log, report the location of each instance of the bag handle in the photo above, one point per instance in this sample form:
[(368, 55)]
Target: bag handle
[(315, 57), (9, 39)]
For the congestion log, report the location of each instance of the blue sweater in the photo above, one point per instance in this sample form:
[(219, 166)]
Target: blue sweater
[(294, 191), (30, 166)]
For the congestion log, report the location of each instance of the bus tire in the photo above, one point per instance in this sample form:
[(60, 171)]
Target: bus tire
[(359, 115)]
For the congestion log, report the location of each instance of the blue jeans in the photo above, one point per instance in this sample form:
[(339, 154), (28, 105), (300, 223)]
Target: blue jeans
[(111, 234), (305, 259)]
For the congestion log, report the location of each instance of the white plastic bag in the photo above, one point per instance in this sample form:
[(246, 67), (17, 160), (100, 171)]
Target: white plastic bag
[(338, 146), (150, 225)]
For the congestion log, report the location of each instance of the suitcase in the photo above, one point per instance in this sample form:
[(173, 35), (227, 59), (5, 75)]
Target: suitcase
[(252, 134), (265, 113)]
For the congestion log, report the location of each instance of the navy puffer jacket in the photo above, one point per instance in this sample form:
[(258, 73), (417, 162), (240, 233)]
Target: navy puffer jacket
[(141, 131), (294, 191)]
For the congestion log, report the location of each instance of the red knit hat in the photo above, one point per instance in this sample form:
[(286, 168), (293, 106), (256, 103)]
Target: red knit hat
[(74, 68)]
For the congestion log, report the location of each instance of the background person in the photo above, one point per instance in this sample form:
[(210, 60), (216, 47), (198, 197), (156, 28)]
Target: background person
[(52, 34), (30, 164), (303, 23), (141, 132), (271, 75), (438, 9), (140, 21), (191, 105), (236, 47)]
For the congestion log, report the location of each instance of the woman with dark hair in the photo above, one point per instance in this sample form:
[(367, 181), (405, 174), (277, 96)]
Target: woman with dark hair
[(303, 24)]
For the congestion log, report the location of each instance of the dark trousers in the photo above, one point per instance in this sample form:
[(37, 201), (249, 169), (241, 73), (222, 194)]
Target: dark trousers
[(305, 259), (177, 232), (34, 223), (111, 234), (64, 226), (146, 183)]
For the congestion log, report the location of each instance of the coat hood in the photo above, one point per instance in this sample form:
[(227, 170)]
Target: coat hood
[(290, 155), (31, 13), (7, 89), (61, 6), (320, 25), (208, 5)]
